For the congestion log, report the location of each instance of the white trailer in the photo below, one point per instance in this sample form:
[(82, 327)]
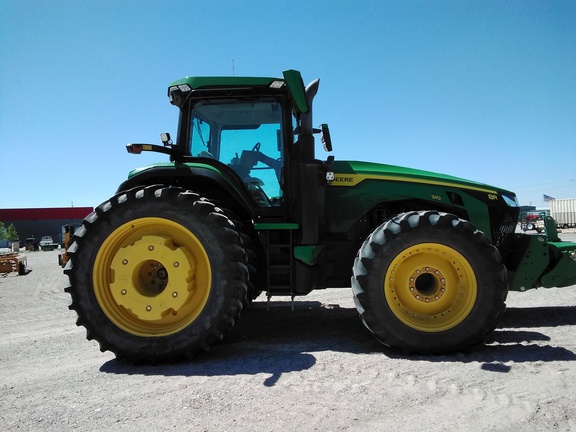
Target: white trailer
[(564, 212)]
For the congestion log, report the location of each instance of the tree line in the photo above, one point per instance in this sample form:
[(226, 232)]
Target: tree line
[(8, 233)]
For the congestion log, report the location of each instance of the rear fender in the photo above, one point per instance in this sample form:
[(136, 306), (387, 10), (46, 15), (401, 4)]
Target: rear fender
[(205, 181)]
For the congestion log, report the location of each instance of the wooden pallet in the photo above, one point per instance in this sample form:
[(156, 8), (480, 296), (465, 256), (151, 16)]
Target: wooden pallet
[(13, 262)]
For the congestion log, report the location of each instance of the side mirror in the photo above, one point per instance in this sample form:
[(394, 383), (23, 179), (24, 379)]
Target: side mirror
[(325, 137)]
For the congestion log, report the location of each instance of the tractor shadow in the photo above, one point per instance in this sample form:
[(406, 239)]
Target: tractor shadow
[(274, 339), (270, 339)]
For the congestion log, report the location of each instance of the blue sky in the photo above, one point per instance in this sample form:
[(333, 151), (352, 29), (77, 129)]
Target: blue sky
[(484, 90)]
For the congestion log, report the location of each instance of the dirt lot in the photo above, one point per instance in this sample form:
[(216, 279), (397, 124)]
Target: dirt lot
[(314, 368)]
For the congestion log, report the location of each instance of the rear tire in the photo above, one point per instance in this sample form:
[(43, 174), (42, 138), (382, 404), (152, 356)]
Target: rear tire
[(157, 274), (429, 282)]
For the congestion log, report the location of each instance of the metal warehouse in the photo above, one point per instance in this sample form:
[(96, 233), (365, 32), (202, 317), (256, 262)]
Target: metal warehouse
[(38, 222)]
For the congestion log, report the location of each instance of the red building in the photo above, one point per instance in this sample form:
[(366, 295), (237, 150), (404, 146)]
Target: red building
[(39, 222)]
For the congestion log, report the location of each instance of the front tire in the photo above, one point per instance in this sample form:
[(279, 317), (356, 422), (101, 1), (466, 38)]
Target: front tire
[(430, 283), (157, 274)]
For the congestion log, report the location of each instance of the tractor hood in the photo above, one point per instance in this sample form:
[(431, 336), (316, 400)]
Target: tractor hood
[(352, 173)]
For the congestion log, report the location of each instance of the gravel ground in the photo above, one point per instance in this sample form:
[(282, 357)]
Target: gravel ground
[(314, 368)]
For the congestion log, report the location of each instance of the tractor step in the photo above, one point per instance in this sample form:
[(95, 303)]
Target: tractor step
[(279, 261)]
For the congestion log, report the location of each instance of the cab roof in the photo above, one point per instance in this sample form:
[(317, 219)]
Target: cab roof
[(291, 83), (228, 81)]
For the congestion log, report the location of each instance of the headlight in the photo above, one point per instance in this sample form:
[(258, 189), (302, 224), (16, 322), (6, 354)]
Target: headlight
[(512, 201)]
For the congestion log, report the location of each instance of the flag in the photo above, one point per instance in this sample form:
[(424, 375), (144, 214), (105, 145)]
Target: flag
[(548, 198)]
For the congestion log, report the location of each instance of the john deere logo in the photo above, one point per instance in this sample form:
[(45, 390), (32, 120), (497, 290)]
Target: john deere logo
[(340, 179), (492, 197)]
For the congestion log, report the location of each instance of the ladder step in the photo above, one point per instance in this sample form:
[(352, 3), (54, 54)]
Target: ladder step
[(279, 260)]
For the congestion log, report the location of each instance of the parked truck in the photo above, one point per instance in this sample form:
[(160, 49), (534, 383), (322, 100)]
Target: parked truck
[(165, 267), (563, 211), (47, 244)]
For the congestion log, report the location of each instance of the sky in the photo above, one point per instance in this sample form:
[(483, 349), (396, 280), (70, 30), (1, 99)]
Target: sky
[(484, 90)]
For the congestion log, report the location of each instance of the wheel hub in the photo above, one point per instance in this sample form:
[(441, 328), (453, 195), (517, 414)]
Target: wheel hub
[(427, 284), (153, 277), (142, 280)]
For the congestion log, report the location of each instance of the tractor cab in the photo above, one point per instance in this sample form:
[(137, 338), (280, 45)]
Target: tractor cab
[(257, 134)]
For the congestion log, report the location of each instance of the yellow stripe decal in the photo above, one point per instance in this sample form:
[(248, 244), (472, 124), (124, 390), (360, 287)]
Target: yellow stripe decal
[(355, 179)]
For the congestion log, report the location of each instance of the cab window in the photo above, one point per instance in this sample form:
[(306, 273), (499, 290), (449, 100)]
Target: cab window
[(247, 136)]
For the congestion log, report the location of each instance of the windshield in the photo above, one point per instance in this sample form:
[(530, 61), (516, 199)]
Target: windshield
[(247, 136)]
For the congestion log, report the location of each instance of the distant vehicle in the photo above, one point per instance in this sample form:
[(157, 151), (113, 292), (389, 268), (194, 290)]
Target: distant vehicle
[(533, 220), (564, 212), (31, 244), (46, 243)]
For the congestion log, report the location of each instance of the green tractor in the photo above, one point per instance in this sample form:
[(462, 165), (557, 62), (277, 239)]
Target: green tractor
[(164, 268)]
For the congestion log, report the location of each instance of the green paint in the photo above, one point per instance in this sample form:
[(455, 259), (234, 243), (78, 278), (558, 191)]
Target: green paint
[(563, 273), (297, 89), (364, 185), (173, 165), (263, 226), (224, 81), (532, 263), (375, 171), (307, 254), (187, 166)]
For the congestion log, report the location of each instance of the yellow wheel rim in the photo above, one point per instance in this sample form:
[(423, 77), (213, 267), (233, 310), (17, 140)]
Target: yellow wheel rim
[(430, 287), (152, 277)]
